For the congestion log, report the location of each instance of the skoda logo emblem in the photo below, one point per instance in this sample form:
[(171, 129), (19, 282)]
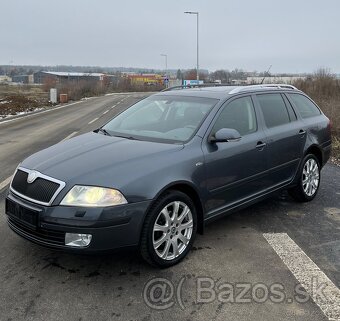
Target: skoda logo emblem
[(32, 177)]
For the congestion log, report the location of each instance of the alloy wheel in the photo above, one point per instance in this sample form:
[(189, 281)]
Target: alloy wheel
[(310, 177), (172, 230)]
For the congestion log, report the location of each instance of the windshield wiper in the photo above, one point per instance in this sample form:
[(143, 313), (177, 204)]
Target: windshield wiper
[(127, 137), (104, 131)]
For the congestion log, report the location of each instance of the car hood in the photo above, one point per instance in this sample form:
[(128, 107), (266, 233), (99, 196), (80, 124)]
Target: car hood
[(96, 159)]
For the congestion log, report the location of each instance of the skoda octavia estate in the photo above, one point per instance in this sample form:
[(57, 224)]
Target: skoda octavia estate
[(155, 174)]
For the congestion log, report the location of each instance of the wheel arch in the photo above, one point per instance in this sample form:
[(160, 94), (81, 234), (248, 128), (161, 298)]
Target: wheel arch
[(317, 152), (189, 189)]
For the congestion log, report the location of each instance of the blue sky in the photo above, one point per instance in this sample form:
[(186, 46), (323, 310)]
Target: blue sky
[(293, 36)]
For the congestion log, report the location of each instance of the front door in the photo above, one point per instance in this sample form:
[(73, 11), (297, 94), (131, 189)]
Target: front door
[(236, 170)]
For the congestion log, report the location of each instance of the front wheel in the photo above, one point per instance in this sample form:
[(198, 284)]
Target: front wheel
[(309, 180), (169, 229)]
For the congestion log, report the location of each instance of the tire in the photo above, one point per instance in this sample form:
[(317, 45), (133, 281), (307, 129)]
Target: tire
[(161, 244), (309, 176)]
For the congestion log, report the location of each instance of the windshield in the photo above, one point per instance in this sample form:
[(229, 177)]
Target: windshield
[(161, 118)]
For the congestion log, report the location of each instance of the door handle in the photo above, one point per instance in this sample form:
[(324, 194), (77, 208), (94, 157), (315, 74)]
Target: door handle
[(302, 132), (260, 145)]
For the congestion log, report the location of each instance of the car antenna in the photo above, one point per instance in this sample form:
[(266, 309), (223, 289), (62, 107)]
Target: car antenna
[(265, 74)]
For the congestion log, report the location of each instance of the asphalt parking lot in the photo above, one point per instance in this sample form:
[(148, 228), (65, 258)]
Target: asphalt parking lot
[(232, 272)]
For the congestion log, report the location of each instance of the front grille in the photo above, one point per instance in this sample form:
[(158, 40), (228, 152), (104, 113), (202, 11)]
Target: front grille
[(41, 189), (43, 235)]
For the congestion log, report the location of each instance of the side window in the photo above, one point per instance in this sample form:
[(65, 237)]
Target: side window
[(274, 110), (304, 106), (291, 111), (238, 114)]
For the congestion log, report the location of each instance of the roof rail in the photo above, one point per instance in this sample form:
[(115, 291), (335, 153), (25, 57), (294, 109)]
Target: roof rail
[(250, 87), (194, 86)]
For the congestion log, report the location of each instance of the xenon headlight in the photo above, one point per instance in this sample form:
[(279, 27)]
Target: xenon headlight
[(93, 196)]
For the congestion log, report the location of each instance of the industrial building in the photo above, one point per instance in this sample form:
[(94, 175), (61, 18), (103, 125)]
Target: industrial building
[(23, 79), (145, 79), (41, 77)]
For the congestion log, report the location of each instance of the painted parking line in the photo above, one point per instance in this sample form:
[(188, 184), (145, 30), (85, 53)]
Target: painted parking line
[(93, 120), (4, 183), (113, 106), (69, 136), (105, 112), (307, 273)]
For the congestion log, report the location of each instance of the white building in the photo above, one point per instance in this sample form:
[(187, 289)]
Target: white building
[(4, 79), (274, 80)]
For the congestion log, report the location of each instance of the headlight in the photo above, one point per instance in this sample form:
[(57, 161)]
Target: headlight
[(92, 196)]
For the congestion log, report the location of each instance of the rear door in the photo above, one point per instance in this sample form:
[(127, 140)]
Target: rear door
[(286, 136), (235, 169), (317, 125)]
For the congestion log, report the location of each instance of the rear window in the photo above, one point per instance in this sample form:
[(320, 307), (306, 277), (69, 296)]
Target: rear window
[(305, 106), (274, 109)]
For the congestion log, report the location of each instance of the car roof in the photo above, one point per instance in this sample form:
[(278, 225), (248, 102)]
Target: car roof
[(220, 92)]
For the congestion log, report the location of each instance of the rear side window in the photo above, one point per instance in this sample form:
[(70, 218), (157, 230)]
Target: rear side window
[(291, 111), (274, 109), (239, 114), (305, 106)]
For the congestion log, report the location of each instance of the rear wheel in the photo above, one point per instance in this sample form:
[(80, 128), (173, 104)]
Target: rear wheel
[(309, 180), (169, 229)]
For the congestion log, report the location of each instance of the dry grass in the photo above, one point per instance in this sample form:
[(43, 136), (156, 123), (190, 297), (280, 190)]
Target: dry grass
[(326, 93), (30, 90), (23, 98), (88, 88), (336, 149)]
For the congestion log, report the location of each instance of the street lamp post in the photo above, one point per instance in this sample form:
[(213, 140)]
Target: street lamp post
[(166, 67), (197, 15)]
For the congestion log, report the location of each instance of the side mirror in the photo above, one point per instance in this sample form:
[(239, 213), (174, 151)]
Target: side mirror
[(225, 135)]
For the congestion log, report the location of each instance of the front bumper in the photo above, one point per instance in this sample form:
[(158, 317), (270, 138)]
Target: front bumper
[(111, 228)]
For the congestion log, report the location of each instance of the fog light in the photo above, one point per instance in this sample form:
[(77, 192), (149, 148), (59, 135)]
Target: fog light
[(77, 240)]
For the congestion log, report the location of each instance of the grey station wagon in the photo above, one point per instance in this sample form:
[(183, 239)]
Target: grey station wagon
[(154, 175)]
